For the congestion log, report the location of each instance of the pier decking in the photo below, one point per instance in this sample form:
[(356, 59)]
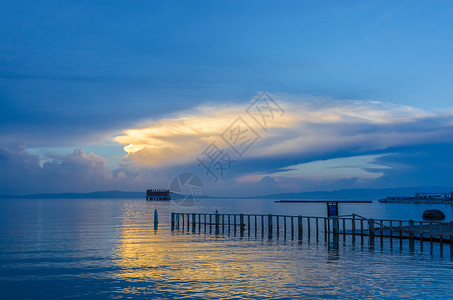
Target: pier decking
[(314, 227)]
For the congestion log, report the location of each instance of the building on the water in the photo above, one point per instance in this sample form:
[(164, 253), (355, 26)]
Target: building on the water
[(421, 198), (158, 194)]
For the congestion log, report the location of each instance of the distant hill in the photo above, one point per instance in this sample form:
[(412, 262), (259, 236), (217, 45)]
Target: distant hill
[(93, 195), (345, 194), (357, 194)]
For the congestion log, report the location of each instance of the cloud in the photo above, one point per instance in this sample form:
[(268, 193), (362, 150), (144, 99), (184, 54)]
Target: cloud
[(80, 171), (363, 167), (310, 127)]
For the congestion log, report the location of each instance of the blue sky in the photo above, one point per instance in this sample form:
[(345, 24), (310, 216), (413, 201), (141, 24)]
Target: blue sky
[(365, 83)]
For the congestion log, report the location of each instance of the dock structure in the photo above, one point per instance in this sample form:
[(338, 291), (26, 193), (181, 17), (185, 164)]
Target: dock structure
[(295, 227), (158, 195)]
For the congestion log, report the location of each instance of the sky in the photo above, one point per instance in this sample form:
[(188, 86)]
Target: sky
[(126, 95)]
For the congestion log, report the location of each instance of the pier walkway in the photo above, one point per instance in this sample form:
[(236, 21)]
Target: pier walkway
[(314, 227)]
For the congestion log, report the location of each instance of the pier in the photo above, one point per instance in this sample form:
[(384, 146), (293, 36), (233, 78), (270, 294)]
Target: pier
[(296, 227)]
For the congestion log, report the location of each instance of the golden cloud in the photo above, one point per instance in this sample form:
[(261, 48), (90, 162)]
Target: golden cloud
[(309, 123)]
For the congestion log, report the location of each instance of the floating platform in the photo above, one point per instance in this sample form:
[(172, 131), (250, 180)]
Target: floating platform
[(158, 195)]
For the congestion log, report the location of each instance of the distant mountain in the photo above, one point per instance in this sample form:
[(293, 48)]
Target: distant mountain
[(93, 195), (345, 194), (357, 194)]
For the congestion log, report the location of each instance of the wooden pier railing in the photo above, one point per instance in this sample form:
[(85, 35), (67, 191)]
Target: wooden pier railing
[(292, 226)]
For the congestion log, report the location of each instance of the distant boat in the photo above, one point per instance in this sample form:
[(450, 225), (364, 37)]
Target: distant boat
[(421, 198), (158, 195)]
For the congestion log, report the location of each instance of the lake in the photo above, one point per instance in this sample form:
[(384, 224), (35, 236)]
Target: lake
[(109, 249)]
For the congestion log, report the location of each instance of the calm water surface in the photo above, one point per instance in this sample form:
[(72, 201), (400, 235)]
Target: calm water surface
[(108, 249)]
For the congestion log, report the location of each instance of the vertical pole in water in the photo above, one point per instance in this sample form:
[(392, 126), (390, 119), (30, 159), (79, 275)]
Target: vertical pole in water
[(210, 223), (188, 222), (335, 225), (284, 224), (241, 224), (199, 223), (441, 239), (182, 221), (156, 219), (381, 228), (325, 229), (177, 220), (308, 227), (262, 225), (344, 229), (411, 231), (194, 223), (172, 221), (353, 225), (248, 224), (292, 227), (421, 236), (371, 230), (391, 229), (361, 227), (217, 217), (278, 226), (317, 229), (256, 230), (205, 222), (269, 225), (299, 226), (451, 240)]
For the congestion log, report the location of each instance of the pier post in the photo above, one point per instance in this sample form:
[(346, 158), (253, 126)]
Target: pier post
[(317, 229), (235, 224), (411, 229), (262, 225), (391, 230), (308, 227), (182, 221), (256, 228), (451, 240), (335, 225), (194, 223), (441, 239), (156, 219), (299, 227), (217, 221), (411, 236), (241, 224), (292, 227), (269, 224), (172, 221), (421, 236), (344, 228), (188, 222), (248, 224), (371, 230), (278, 226), (284, 225)]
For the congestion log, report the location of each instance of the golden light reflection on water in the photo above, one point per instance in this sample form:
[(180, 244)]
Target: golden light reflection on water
[(185, 264), (202, 263)]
